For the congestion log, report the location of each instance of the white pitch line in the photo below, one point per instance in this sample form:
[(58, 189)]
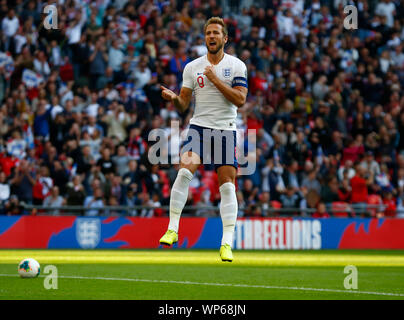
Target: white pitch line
[(225, 285)]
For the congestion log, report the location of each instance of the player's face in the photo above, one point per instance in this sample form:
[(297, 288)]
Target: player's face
[(214, 38)]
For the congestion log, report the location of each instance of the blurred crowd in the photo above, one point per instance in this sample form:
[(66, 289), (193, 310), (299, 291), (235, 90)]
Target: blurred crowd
[(78, 103)]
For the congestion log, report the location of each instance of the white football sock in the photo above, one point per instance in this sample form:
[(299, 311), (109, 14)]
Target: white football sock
[(228, 211), (178, 197)]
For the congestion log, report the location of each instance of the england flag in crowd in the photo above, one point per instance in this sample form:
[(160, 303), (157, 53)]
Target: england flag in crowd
[(31, 79), (7, 63)]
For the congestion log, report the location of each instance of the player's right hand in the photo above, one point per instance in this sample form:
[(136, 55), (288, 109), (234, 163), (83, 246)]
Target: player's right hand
[(167, 94)]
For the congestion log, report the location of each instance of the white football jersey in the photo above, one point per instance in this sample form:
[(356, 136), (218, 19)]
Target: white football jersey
[(212, 109)]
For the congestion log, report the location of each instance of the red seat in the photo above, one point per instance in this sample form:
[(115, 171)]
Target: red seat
[(276, 205), (390, 209), (340, 209), (376, 202)]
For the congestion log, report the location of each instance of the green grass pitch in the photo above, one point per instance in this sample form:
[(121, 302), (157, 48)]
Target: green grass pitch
[(179, 274)]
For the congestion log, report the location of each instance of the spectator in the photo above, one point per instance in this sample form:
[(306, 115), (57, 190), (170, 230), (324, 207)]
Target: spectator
[(42, 186), (142, 74), (147, 204), (9, 27), (59, 176), (13, 206), (80, 54), (370, 164), (383, 179), (94, 203), (299, 150), (22, 180), (115, 56), (311, 182), (95, 177), (98, 62), (321, 211), (92, 110), (116, 188), (124, 74), (131, 176), (199, 49), (291, 177), (16, 146), (121, 160), (41, 64), (250, 192), (74, 30), (290, 198), (390, 205), (178, 62), (94, 28), (330, 192), (387, 9), (320, 88), (130, 199), (346, 169), (112, 202), (54, 200), (75, 194), (4, 189), (359, 186), (41, 120), (116, 122), (105, 162), (31, 12)]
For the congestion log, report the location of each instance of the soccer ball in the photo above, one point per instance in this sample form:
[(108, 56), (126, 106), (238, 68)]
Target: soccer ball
[(29, 268)]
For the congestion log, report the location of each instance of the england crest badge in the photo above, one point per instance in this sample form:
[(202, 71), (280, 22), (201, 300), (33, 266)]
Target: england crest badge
[(226, 72), (88, 232)]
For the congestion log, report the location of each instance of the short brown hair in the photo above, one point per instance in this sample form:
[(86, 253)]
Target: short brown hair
[(216, 20)]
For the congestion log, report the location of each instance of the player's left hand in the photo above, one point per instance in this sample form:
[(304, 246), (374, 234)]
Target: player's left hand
[(210, 73)]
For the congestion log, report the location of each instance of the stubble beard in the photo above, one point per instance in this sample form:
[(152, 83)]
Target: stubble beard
[(217, 50)]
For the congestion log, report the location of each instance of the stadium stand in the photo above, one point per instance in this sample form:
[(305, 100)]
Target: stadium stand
[(80, 101)]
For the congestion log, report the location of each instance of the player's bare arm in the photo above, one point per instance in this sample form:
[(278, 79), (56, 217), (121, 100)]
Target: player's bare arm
[(236, 95), (181, 101)]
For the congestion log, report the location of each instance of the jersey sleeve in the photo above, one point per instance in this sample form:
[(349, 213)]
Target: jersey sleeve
[(187, 79), (240, 75)]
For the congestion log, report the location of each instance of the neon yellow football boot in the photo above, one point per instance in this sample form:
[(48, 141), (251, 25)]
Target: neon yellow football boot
[(169, 238), (225, 253)]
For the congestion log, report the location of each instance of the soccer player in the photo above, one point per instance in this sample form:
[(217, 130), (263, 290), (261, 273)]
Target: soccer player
[(219, 82)]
